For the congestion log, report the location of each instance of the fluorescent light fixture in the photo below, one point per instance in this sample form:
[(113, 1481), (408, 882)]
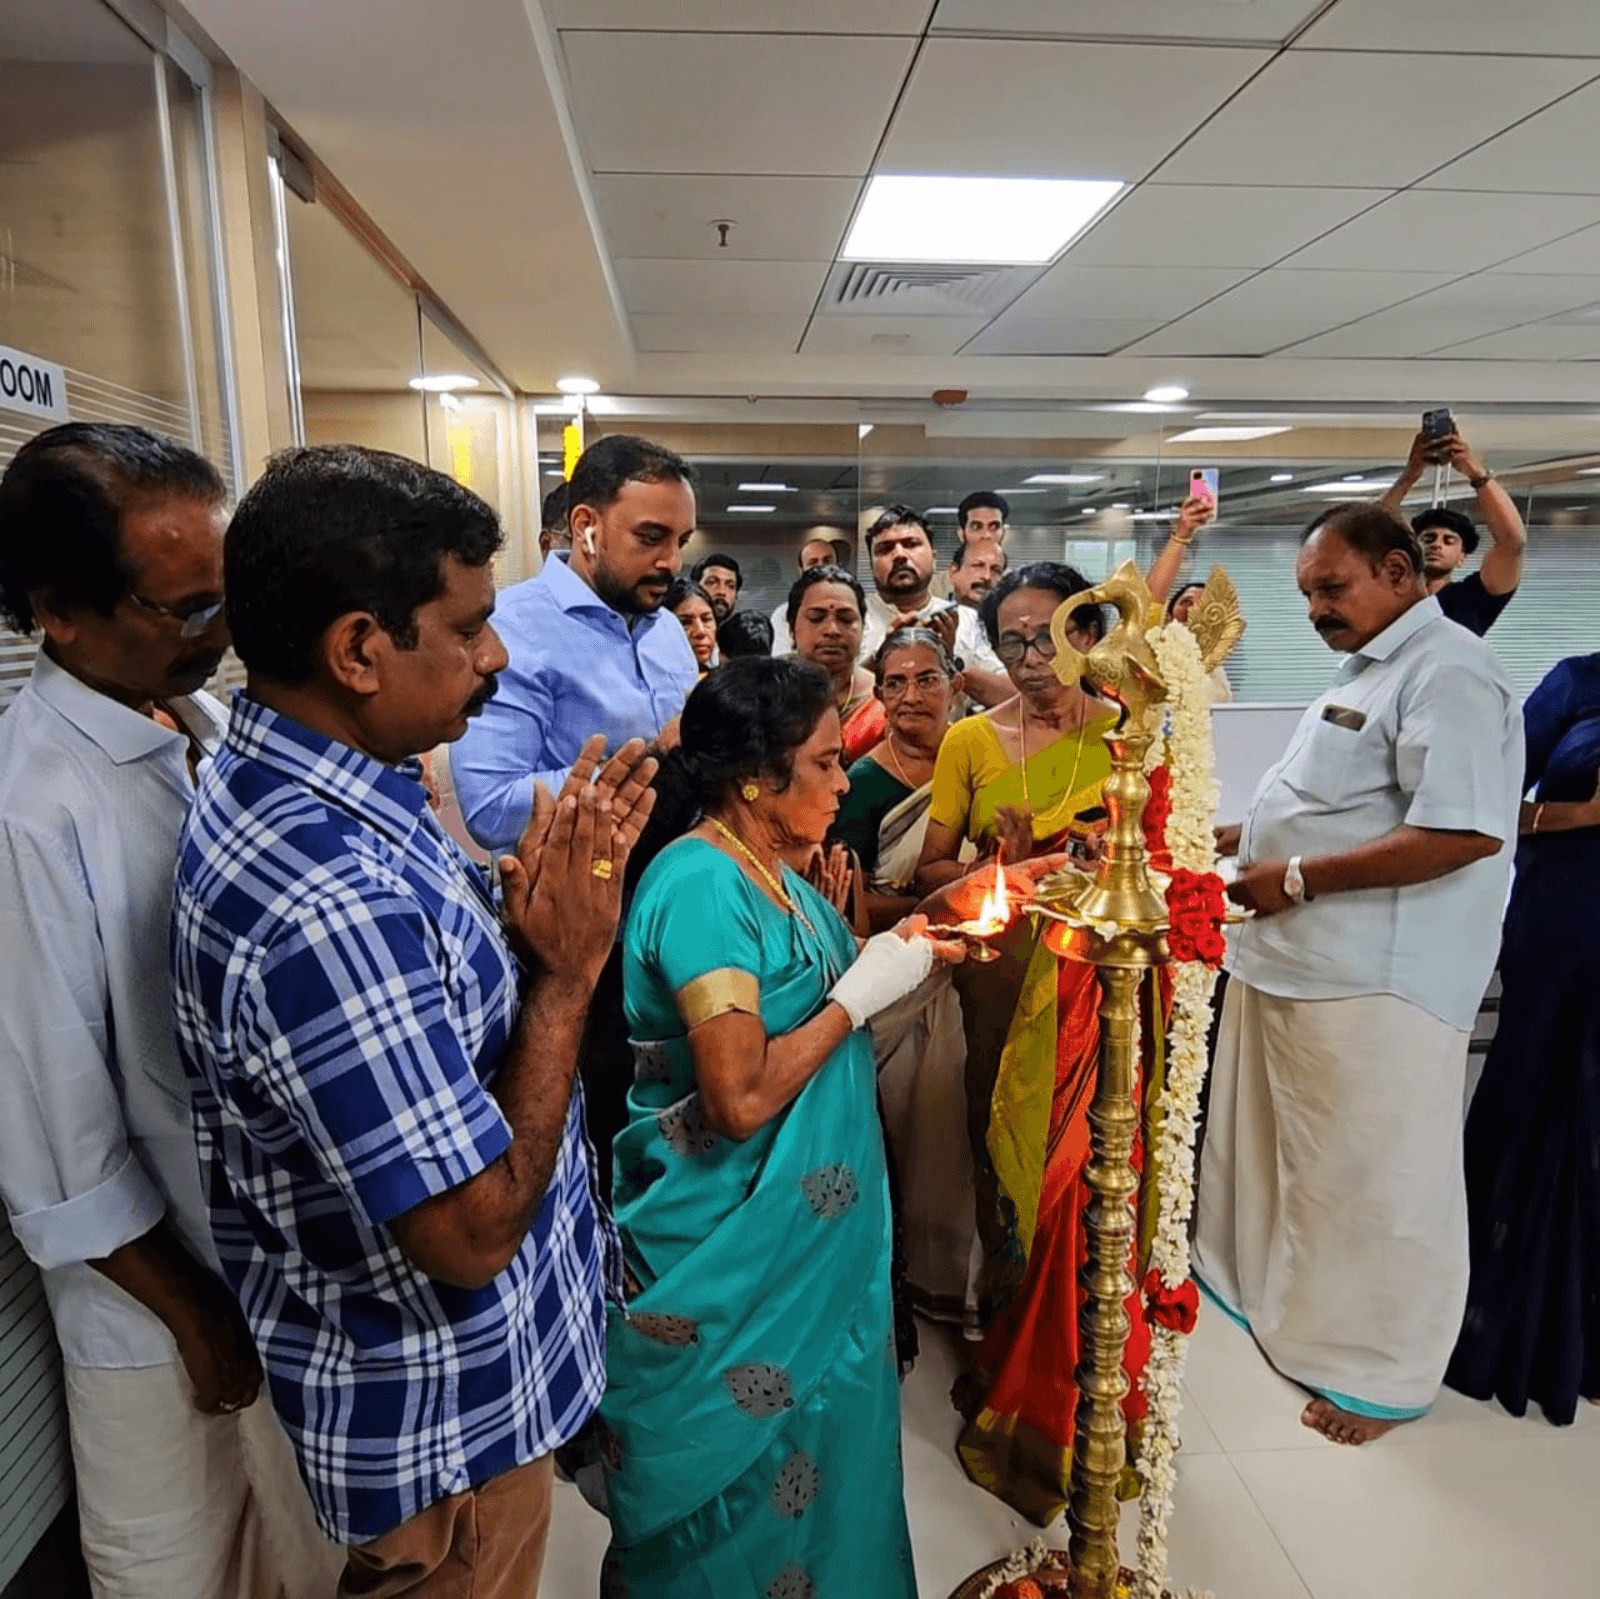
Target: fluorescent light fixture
[(1222, 435), (443, 382), (1065, 477), (752, 508), (1345, 485), (1025, 221), (1355, 477), (1283, 477), (768, 488), (1166, 394), (942, 510), (1589, 471), (577, 385), (1088, 510), (1140, 408), (864, 428), (1121, 505)]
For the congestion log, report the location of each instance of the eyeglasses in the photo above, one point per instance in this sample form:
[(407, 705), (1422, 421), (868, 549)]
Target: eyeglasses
[(1013, 647), (928, 682), (191, 624)]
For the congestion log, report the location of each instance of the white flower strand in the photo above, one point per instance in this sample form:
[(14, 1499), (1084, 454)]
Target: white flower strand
[(1194, 793)]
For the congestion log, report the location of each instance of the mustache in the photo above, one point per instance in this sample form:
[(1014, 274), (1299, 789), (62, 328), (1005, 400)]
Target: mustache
[(1331, 624), (490, 688)]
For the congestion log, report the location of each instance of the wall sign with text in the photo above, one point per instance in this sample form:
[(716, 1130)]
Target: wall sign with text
[(32, 386)]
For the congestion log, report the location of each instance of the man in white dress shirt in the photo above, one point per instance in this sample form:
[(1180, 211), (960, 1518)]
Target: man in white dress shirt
[(111, 545), (1376, 856)]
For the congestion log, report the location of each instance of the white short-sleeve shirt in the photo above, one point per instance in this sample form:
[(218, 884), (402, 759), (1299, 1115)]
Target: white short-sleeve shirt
[(96, 1139), (1422, 728)]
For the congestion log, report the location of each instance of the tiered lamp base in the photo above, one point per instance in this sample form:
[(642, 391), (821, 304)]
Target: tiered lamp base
[(1048, 1581)]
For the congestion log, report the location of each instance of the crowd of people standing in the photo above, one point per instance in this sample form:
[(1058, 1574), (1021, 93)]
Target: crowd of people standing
[(631, 1150)]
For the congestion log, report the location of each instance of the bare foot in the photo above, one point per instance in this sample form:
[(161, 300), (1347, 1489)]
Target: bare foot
[(1341, 1426)]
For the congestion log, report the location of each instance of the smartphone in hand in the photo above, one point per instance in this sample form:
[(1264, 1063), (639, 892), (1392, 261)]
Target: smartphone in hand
[(1437, 425), (1204, 481)]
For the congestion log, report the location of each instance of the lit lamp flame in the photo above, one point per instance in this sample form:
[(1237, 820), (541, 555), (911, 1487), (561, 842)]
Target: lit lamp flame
[(995, 911)]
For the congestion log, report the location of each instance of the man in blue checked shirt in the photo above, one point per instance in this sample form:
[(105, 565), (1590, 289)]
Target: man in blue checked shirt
[(401, 1194)]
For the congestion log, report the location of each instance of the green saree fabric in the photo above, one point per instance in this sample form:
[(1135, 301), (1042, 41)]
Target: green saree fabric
[(752, 1418)]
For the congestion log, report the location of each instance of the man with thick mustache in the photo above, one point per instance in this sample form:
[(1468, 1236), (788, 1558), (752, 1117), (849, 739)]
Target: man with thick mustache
[(1376, 857), (590, 648), (382, 1057)]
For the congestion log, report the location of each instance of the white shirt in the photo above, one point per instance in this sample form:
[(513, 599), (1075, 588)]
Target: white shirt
[(96, 1142), (972, 643), (1422, 728)]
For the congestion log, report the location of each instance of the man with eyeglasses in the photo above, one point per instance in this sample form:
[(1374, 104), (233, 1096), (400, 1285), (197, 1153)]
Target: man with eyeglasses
[(111, 546)]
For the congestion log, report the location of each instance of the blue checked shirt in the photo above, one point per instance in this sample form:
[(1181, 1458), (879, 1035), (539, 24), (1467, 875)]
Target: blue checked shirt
[(343, 998)]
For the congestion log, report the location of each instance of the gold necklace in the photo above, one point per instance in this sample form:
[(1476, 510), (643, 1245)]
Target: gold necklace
[(899, 770), (772, 882), (1022, 740)]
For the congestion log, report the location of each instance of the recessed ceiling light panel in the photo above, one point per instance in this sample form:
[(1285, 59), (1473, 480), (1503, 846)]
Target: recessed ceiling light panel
[(1026, 221), (443, 382), (1066, 477), (1166, 394), (768, 488), (752, 508), (1223, 435)]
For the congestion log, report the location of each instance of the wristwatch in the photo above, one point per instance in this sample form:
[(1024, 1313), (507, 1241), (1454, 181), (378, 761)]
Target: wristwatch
[(1294, 883), (1478, 482)]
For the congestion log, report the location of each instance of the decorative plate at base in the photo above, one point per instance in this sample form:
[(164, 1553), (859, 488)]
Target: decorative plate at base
[(1051, 1578)]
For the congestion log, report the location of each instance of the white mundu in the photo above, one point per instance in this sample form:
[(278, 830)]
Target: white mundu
[(1332, 1206)]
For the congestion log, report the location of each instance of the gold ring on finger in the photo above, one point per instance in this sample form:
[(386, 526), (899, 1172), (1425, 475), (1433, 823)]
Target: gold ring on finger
[(602, 870)]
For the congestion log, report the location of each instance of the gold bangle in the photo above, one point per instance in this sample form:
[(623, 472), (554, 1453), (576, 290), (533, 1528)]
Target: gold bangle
[(1538, 811), (1179, 539)]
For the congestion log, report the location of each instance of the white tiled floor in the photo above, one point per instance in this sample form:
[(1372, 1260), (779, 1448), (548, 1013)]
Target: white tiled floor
[(1467, 1504)]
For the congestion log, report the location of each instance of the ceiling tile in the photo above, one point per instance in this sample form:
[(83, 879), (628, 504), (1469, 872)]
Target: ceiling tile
[(1014, 335), (989, 107), (1552, 152), (720, 288), (1282, 307), (1579, 255), (1151, 292), (890, 335), (1262, 20), (1481, 27), (1377, 121), (718, 335), (1424, 228), (1539, 341), (664, 102), (742, 16), (1216, 224), (1399, 332), (775, 219)]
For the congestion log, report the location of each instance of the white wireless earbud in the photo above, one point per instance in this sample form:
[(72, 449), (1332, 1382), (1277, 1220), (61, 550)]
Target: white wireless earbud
[(588, 541)]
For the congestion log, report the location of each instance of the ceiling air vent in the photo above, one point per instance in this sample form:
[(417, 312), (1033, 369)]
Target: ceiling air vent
[(886, 289)]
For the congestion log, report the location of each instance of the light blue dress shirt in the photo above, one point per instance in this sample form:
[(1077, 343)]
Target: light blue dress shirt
[(1422, 728), (577, 668), (96, 1136)]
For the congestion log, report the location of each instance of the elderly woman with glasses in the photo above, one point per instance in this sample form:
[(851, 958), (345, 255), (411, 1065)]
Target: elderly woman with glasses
[(1021, 780)]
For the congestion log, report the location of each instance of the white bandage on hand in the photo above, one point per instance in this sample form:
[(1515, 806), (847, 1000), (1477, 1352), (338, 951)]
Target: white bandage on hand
[(886, 970)]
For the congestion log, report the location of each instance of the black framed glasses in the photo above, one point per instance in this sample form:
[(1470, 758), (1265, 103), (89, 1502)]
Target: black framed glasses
[(191, 624), (1013, 647)]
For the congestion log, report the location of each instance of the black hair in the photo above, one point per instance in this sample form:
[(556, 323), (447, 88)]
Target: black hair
[(959, 559), (681, 589), (905, 638), (744, 633), (62, 501), (611, 463), (896, 516), (814, 575), (333, 528), (1442, 516), (1371, 529), (1050, 577), (743, 720), (984, 499), (553, 513), (1178, 594), (698, 570)]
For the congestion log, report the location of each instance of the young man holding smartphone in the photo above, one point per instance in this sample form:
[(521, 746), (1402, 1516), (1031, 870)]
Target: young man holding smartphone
[(1448, 537)]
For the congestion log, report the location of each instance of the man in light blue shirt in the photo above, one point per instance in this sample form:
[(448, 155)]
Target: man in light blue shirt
[(591, 649), (1376, 857)]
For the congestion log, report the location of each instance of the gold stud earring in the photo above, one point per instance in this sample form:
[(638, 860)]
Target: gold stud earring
[(750, 793)]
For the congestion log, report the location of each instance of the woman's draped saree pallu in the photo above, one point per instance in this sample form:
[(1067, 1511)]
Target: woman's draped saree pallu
[(751, 1427)]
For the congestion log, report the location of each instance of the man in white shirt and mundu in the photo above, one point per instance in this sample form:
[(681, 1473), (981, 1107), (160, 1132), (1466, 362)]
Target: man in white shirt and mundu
[(111, 545), (1376, 856)]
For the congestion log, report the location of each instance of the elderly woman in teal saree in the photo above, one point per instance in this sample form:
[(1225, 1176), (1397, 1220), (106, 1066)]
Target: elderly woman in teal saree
[(751, 1425)]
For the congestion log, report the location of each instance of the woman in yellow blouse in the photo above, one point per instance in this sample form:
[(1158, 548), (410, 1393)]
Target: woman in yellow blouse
[(1025, 779)]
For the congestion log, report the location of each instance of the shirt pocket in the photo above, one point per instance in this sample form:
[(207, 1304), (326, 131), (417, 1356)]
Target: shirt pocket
[(1331, 765)]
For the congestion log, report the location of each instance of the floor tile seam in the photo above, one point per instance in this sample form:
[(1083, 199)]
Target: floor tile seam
[(1294, 1565)]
